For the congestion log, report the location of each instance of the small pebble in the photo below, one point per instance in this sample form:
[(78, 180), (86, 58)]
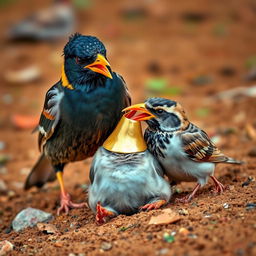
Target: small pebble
[(25, 171), (251, 76), (5, 247), (183, 212), (3, 187), (183, 231), (17, 184), (250, 206), (29, 217), (4, 159), (247, 183), (7, 99), (154, 67), (168, 237), (2, 145), (202, 80), (194, 236), (105, 246), (225, 205), (162, 251), (227, 71), (252, 152), (11, 193), (3, 170)]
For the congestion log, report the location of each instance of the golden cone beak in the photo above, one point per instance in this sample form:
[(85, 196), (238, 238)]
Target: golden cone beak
[(126, 138), (100, 66), (146, 115)]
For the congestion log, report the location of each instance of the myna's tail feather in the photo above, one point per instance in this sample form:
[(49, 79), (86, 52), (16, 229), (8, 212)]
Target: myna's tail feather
[(41, 173)]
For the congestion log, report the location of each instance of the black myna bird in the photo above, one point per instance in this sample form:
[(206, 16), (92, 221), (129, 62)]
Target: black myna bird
[(125, 176), (185, 152), (80, 112)]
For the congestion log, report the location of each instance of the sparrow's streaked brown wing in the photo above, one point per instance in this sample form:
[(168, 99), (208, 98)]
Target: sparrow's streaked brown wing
[(50, 115), (198, 146)]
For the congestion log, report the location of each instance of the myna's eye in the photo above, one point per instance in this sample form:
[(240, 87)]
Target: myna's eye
[(81, 61)]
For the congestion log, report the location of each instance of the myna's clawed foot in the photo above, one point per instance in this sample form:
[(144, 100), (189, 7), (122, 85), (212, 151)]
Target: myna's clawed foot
[(102, 214), (153, 206), (66, 204), (219, 187), (188, 198)]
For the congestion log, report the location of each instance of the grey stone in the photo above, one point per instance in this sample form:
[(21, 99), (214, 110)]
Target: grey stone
[(29, 217)]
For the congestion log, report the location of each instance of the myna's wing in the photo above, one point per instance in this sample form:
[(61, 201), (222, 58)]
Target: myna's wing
[(50, 115)]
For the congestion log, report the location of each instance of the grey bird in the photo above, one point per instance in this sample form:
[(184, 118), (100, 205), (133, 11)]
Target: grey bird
[(125, 176), (185, 152)]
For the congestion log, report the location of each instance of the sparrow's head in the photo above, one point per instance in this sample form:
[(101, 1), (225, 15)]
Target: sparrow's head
[(160, 114), (85, 59)]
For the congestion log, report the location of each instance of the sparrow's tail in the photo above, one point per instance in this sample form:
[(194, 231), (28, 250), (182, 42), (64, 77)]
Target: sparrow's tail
[(234, 161), (41, 173)]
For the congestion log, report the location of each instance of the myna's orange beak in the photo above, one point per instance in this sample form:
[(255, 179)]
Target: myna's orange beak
[(100, 66)]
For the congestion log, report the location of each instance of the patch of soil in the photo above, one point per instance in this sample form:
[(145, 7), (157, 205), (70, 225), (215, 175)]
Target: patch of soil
[(184, 41)]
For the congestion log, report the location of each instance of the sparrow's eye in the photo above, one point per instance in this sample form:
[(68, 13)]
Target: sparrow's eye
[(159, 111)]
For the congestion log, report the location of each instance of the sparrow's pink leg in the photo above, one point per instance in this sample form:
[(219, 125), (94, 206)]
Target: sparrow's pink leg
[(65, 199), (102, 214), (188, 198), (219, 187), (154, 205)]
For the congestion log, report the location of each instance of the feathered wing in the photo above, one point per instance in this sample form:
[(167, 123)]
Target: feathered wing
[(43, 170), (50, 115), (198, 147)]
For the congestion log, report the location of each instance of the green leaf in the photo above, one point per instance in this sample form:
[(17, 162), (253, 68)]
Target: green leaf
[(202, 112), (250, 62), (157, 84)]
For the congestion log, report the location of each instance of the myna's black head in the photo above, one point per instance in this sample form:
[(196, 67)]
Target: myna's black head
[(160, 114), (85, 59)]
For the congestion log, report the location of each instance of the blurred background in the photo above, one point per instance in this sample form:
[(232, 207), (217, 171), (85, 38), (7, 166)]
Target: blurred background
[(201, 53)]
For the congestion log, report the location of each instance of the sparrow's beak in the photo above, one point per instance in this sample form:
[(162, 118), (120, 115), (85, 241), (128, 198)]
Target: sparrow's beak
[(132, 112), (100, 66)]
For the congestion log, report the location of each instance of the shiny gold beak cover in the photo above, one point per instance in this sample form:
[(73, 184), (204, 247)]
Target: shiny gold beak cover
[(100, 66), (126, 138)]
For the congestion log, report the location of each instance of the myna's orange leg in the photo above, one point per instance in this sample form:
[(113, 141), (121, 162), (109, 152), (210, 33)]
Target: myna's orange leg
[(65, 199), (155, 205), (102, 214)]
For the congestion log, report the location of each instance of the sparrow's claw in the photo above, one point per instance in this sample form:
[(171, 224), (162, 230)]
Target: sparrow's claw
[(102, 214), (186, 199), (66, 204), (152, 206), (219, 187)]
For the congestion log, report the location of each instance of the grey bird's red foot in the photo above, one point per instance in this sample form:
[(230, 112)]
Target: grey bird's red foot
[(102, 214), (66, 204)]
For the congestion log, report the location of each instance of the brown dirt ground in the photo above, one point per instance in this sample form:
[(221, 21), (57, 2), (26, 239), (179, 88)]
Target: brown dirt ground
[(223, 36)]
